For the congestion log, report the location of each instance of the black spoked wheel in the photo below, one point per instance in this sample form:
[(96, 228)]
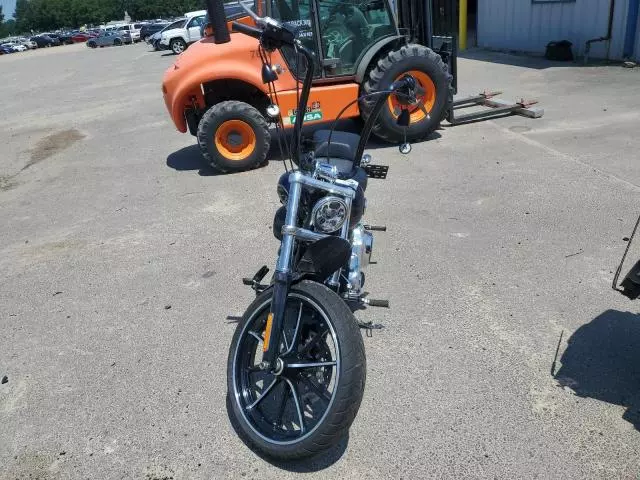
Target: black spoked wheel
[(310, 400)]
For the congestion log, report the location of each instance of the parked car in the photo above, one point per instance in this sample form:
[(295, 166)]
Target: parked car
[(133, 29), (178, 39), (232, 10), (82, 37), (108, 38), (15, 46), (41, 41), (154, 40), (30, 44), (6, 50), (45, 41), (149, 29), (65, 38), (55, 39), (19, 47)]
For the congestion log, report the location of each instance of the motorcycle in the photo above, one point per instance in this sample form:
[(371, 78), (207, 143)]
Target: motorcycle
[(296, 367)]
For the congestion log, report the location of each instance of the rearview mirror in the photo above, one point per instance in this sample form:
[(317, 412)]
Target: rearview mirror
[(630, 286), (631, 283)]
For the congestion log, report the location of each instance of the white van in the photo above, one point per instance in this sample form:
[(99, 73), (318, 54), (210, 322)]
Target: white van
[(133, 29), (178, 39)]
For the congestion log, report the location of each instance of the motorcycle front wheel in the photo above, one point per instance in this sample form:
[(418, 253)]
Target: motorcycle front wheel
[(310, 401)]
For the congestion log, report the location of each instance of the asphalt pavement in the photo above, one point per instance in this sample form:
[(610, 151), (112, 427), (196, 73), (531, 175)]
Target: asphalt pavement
[(121, 257)]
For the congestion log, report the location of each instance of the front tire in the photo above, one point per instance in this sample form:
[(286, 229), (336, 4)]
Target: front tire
[(302, 410), (117, 42), (178, 46), (433, 77), (233, 136)]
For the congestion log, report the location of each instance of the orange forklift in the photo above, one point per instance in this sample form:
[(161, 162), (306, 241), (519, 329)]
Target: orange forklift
[(219, 92)]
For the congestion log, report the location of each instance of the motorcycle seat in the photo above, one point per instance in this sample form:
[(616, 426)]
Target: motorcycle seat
[(340, 153), (343, 146)]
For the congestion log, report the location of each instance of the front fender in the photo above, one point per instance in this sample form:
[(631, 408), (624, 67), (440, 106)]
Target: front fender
[(206, 61)]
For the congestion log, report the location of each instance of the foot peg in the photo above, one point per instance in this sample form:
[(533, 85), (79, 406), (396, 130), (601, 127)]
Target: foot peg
[(257, 278), (376, 171), (370, 327), (375, 228)]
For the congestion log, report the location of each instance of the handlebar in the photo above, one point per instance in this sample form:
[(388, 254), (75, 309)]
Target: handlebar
[(246, 29), (407, 85), (271, 33), (274, 35)]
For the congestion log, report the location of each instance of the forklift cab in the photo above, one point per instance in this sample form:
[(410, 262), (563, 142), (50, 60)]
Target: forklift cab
[(346, 35), (339, 33)]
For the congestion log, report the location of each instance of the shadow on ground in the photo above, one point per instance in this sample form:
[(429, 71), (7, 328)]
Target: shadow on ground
[(190, 158), (520, 59), (602, 361), (313, 464)]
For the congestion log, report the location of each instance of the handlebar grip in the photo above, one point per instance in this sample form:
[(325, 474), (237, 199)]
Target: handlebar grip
[(379, 303), (246, 29), (406, 82)]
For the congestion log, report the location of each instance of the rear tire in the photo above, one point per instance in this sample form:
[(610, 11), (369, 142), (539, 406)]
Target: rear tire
[(391, 67), (117, 42), (330, 422), (233, 136), (178, 46)]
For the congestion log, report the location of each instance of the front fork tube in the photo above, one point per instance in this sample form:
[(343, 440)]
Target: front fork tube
[(344, 233), (282, 278)]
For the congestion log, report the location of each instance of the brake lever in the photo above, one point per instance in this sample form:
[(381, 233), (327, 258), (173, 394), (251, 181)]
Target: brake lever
[(264, 21), (251, 13)]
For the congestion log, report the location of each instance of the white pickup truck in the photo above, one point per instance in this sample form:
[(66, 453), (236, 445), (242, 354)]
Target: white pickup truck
[(177, 39)]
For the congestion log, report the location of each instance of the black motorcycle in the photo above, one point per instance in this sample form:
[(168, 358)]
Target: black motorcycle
[(297, 367)]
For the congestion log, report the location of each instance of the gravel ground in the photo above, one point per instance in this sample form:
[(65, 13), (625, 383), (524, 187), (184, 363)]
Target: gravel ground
[(503, 235)]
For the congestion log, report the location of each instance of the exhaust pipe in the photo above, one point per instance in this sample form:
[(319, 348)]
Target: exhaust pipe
[(218, 21)]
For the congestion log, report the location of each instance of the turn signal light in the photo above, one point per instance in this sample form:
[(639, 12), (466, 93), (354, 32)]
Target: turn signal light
[(267, 333)]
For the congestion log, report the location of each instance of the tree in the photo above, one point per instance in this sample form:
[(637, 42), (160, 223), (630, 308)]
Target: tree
[(42, 15), (8, 29), (1, 15)]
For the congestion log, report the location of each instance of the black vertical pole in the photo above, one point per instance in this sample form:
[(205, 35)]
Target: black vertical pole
[(218, 20)]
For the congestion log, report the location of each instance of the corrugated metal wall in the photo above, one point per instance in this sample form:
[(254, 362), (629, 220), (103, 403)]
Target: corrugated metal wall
[(636, 52), (525, 26)]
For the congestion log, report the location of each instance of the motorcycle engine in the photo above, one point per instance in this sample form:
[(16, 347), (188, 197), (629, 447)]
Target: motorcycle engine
[(361, 248)]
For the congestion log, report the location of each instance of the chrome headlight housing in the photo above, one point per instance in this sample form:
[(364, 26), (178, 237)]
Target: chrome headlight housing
[(329, 214)]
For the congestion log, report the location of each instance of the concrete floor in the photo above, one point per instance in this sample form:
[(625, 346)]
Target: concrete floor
[(503, 235)]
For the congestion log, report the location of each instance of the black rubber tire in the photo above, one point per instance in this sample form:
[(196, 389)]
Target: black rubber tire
[(390, 67), (92, 45), (117, 42), (350, 386), (230, 110), (175, 43)]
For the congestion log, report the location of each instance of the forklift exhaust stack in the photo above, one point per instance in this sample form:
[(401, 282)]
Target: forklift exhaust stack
[(218, 20)]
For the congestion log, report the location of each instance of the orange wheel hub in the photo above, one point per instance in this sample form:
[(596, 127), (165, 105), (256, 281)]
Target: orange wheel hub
[(235, 139), (428, 98)]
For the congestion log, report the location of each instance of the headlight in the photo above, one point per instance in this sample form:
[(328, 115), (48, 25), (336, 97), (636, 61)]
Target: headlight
[(329, 214)]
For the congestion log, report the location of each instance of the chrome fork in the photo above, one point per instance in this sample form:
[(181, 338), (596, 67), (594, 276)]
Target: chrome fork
[(290, 230), (283, 274)]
